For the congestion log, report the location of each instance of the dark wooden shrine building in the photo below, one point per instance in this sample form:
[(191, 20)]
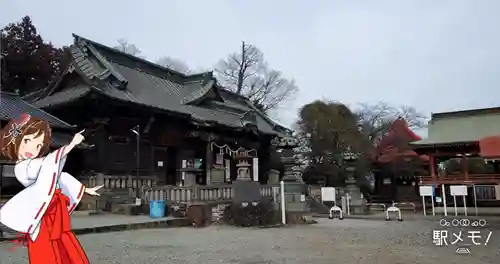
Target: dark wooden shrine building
[(178, 117)]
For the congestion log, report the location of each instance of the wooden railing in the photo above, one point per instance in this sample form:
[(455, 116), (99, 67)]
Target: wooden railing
[(111, 182), (460, 179), (203, 193), (486, 192)]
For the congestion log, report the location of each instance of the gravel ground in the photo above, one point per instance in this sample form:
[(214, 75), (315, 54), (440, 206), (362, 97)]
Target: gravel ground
[(328, 242)]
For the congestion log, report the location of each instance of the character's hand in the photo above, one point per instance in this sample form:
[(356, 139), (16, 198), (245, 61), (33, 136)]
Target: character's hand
[(78, 138), (93, 190)]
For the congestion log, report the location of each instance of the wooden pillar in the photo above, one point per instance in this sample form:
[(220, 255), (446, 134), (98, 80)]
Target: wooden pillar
[(102, 147), (432, 166), (465, 167), (208, 162)]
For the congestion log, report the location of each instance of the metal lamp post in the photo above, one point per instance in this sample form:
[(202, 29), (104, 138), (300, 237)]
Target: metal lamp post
[(137, 133)]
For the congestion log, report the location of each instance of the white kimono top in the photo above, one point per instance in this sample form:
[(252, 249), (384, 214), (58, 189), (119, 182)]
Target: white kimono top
[(41, 177)]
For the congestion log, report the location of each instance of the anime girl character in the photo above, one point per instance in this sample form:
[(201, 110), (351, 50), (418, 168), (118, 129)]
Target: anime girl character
[(41, 212)]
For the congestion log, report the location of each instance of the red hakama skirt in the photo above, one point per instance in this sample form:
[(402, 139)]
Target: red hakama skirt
[(56, 244)]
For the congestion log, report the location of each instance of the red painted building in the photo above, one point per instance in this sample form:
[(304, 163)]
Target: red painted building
[(469, 139), (396, 164)]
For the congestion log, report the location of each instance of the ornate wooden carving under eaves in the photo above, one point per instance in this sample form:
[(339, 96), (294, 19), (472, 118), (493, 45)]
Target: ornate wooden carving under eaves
[(206, 136)]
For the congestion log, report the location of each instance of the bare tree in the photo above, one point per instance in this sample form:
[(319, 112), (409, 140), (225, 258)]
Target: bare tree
[(174, 64), (246, 73), (375, 119), (128, 48)]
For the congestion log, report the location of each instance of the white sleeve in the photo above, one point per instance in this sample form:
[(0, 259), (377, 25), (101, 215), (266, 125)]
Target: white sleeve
[(72, 188), (24, 211), (27, 171)]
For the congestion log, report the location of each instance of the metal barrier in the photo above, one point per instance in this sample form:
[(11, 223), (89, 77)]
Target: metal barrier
[(393, 209), (336, 209), (410, 204), (377, 204)]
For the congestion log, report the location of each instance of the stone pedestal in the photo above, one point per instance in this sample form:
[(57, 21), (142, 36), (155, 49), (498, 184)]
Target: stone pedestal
[(274, 177), (245, 190), (218, 175), (357, 204)]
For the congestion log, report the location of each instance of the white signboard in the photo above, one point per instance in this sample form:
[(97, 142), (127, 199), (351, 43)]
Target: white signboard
[(255, 169), (160, 163), (228, 170), (426, 190), (328, 194), (458, 190)]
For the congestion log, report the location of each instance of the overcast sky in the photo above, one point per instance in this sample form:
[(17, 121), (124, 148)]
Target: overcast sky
[(434, 55)]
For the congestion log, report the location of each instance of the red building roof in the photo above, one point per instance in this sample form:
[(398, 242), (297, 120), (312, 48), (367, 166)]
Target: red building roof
[(396, 142)]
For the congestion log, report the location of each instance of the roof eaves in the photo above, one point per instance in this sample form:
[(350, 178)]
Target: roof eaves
[(198, 94), (33, 96), (103, 61), (99, 45), (59, 99), (56, 118), (429, 144), (275, 125), (465, 113)]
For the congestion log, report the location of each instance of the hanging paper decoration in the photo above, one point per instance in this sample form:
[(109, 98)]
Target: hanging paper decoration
[(219, 158), (240, 151)]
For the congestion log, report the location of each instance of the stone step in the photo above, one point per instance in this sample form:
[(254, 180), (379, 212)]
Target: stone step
[(126, 209), (317, 206)]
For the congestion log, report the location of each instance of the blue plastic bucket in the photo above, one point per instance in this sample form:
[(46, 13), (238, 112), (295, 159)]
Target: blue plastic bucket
[(157, 209)]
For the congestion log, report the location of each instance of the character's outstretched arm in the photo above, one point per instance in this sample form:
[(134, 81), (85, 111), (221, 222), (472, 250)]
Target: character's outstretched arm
[(77, 139)]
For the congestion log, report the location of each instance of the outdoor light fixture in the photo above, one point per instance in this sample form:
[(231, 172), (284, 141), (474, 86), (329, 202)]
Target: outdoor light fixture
[(136, 130)]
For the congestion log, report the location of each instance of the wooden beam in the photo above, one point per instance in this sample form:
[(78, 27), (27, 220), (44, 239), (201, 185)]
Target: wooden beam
[(432, 166), (465, 167)]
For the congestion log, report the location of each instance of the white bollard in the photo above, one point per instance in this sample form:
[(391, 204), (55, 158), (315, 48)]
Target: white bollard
[(393, 209), (336, 209)]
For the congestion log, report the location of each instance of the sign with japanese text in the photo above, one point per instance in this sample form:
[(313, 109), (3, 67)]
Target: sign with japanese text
[(328, 194), (461, 238), (426, 190), (458, 190)]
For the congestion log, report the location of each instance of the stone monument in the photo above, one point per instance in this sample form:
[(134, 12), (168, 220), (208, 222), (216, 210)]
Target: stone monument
[(244, 188), (357, 204)]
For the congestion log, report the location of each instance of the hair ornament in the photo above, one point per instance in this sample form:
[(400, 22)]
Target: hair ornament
[(17, 125)]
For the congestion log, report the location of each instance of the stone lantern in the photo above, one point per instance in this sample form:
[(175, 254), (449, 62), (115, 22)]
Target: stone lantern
[(356, 202), (292, 178)]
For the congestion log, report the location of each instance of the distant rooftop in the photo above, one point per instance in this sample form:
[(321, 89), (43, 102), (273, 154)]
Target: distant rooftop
[(468, 112), (12, 106), (465, 126)]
